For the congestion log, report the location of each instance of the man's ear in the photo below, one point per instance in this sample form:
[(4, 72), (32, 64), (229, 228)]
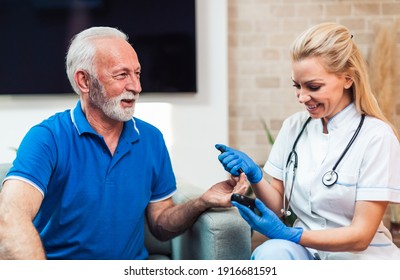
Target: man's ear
[(82, 81)]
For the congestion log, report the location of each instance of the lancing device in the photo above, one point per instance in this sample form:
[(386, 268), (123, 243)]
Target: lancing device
[(222, 150)]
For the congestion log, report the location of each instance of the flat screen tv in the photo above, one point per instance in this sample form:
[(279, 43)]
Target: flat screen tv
[(35, 35)]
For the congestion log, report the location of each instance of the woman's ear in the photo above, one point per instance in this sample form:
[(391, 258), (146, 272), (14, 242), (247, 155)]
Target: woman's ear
[(348, 82), (82, 80)]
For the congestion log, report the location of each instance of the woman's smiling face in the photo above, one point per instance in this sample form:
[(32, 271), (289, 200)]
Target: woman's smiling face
[(324, 94)]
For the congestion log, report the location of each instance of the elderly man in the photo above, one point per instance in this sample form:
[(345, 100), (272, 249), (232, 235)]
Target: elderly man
[(85, 179)]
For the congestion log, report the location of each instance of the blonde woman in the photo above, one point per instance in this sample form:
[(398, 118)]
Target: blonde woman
[(333, 166)]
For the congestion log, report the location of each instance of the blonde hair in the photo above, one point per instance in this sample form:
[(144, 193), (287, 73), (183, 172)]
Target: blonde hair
[(333, 43)]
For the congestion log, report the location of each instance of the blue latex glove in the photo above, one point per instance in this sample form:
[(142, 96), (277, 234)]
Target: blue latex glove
[(268, 223), (235, 162)]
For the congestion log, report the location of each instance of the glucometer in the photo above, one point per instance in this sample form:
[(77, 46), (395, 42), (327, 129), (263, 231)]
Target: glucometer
[(222, 150), (246, 201)]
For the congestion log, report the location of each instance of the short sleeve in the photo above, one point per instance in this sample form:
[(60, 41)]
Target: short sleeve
[(275, 163), (282, 146), (164, 186), (35, 158), (379, 178)]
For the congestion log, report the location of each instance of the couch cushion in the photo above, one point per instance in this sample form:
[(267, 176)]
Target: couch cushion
[(4, 167), (157, 249)]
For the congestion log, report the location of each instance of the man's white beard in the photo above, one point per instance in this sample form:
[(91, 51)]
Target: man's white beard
[(111, 106)]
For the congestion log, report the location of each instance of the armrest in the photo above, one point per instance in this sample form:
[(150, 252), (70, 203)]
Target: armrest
[(219, 233)]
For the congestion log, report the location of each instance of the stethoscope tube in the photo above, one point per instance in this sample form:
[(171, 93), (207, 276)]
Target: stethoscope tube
[(293, 154), (329, 179)]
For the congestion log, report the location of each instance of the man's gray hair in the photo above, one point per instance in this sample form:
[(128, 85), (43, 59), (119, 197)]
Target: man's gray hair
[(82, 51)]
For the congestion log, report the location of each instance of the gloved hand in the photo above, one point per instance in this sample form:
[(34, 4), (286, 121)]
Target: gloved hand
[(235, 162), (268, 223)]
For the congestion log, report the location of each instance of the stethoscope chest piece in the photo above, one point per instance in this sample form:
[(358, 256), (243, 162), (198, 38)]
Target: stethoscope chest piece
[(330, 178), (286, 213)]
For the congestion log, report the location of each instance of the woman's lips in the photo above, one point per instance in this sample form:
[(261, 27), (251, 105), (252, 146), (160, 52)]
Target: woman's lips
[(312, 108)]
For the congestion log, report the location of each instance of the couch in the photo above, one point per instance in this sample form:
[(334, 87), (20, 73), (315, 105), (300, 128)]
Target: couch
[(219, 234)]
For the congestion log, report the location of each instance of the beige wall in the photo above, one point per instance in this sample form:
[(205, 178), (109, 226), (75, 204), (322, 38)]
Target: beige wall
[(260, 33)]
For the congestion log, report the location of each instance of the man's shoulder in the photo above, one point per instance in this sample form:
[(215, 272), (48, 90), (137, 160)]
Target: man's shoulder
[(55, 126), (57, 119), (145, 127)]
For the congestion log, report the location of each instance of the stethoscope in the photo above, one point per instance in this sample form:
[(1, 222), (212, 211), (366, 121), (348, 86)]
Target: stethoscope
[(329, 179)]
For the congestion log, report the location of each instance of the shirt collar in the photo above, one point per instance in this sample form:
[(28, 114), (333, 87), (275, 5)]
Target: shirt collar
[(130, 131), (79, 120), (343, 117)]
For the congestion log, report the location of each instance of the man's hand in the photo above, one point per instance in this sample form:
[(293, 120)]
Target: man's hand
[(167, 220), (219, 195)]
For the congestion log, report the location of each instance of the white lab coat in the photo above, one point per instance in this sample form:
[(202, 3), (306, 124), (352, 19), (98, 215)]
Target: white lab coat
[(370, 170)]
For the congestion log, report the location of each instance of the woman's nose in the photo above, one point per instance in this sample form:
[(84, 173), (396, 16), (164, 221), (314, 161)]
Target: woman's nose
[(303, 96)]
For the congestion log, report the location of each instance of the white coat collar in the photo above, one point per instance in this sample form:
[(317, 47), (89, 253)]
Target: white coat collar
[(344, 117)]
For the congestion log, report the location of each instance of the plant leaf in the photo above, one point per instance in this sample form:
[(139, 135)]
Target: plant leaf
[(271, 138)]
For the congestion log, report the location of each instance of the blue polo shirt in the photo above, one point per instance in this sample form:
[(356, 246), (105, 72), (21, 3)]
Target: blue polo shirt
[(94, 203)]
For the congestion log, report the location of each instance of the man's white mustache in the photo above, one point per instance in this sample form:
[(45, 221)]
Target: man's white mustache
[(128, 96)]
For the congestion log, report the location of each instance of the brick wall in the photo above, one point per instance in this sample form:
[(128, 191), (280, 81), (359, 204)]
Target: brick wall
[(260, 33)]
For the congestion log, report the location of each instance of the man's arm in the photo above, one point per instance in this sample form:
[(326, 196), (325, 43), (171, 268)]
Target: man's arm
[(19, 204), (167, 220)]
